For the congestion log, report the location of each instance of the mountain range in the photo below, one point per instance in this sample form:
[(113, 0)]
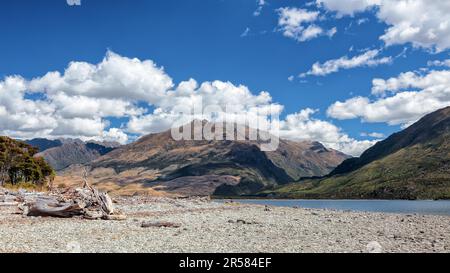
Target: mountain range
[(411, 164), (226, 168), (61, 153)]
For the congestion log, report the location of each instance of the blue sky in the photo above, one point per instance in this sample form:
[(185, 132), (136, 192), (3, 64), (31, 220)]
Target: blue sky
[(224, 40)]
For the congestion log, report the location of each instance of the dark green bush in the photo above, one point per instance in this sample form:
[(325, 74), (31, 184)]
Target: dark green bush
[(18, 164)]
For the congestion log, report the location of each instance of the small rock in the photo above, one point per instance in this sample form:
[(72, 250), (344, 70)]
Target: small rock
[(159, 224), (374, 247), (115, 217), (240, 221), (93, 215)]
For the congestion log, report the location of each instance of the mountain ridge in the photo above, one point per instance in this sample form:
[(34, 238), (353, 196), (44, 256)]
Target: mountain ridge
[(70, 152), (411, 164), (237, 167), (423, 129)]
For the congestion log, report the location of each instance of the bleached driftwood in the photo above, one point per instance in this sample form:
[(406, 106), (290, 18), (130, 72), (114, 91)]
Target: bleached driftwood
[(7, 199), (45, 209), (9, 204), (87, 202)]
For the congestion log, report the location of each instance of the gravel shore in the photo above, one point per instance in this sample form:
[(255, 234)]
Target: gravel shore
[(207, 226)]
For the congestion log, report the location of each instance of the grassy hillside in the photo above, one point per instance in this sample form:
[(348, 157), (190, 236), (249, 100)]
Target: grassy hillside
[(419, 169)]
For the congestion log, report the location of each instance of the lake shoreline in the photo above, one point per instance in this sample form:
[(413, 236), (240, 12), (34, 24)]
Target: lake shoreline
[(255, 197), (420, 207)]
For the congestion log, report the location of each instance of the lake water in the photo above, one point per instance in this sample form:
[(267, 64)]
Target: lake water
[(387, 206)]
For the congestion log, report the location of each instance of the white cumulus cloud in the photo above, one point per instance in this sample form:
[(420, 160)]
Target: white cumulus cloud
[(298, 24), (368, 59), (77, 103), (422, 23), (114, 135), (302, 126), (439, 63), (116, 77), (373, 134), (399, 101), (347, 7)]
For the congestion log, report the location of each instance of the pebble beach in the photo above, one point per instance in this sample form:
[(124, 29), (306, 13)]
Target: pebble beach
[(201, 225)]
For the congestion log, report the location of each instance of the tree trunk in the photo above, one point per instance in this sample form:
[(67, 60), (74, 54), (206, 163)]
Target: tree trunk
[(50, 209)]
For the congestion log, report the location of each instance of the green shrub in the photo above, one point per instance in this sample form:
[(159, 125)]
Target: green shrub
[(19, 166)]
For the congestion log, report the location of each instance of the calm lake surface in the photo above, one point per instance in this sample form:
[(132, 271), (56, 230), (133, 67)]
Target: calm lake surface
[(387, 206)]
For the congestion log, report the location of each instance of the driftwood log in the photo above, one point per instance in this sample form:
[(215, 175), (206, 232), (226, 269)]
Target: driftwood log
[(160, 224), (6, 199), (86, 202), (44, 209), (9, 204)]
